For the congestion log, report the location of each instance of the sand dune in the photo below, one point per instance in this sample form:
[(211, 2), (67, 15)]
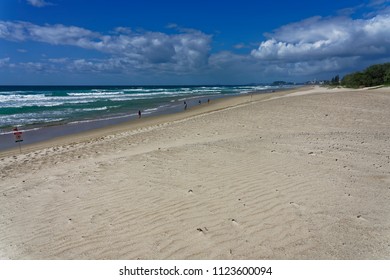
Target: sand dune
[(292, 175)]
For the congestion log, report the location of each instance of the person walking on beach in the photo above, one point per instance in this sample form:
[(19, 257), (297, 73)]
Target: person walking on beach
[(139, 114), (185, 105)]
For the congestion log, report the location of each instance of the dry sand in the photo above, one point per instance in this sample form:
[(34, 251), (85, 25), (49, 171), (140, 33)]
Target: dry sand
[(292, 175)]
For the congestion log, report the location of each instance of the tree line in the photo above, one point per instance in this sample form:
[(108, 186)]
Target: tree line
[(375, 75)]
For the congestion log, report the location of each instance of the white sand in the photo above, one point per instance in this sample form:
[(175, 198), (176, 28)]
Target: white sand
[(305, 175)]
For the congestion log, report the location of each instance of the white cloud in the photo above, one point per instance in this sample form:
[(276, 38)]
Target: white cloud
[(38, 3), (315, 47), (320, 38), (52, 34), (186, 51), (35, 67), (374, 3), (4, 61)]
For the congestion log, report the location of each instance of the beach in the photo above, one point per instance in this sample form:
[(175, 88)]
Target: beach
[(299, 174)]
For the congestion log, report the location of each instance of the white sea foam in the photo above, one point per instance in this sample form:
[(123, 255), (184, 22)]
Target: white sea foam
[(94, 109), (5, 132), (103, 119), (95, 93), (10, 99), (151, 110)]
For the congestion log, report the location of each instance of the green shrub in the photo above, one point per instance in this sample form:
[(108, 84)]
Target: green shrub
[(374, 75)]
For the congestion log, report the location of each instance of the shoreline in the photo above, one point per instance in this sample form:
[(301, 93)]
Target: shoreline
[(63, 133), (102, 107)]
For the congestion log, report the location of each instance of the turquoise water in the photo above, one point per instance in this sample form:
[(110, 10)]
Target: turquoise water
[(39, 106)]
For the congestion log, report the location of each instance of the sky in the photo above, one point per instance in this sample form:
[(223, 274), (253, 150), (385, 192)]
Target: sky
[(178, 42)]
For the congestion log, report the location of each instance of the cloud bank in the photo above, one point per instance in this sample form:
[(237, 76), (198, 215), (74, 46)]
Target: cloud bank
[(177, 52), (314, 47), (319, 38), (318, 46)]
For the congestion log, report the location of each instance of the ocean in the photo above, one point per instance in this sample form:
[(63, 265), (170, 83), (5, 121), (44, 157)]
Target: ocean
[(32, 108)]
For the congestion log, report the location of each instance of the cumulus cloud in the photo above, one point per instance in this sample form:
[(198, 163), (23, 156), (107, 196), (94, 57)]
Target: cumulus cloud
[(38, 3), (314, 47), (319, 38), (321, 47), (185, 51)]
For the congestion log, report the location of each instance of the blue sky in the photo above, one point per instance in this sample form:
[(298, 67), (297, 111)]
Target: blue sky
[(188, 42)]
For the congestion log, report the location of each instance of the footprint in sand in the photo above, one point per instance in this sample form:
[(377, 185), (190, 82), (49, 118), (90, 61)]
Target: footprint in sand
[(234, 222), (360, 218), (297, 206), (202, 230)]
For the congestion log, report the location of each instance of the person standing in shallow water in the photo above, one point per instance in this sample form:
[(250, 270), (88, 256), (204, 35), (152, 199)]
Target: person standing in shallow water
[(185, 105), (139, 114)]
